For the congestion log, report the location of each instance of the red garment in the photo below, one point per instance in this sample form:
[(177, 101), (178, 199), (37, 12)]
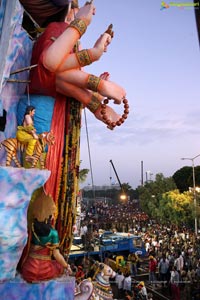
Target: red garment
[(42, 80), (152, 265), (39, 266), (79, 275), (54, 155), (175, 292), (43, 83)]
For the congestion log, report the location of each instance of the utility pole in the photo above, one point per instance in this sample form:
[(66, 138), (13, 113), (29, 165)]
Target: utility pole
[(142, 172), (194, 191)]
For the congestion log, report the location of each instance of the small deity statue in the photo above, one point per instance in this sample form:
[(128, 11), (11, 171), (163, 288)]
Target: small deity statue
[(26, 133), (43, 260)]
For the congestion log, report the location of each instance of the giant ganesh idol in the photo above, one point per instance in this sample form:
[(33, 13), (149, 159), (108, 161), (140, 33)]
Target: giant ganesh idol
[(57, 73)]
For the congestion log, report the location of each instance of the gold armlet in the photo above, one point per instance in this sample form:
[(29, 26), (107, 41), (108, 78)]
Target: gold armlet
[(93, 83), (79, 25), (83, 57), (94, 103)]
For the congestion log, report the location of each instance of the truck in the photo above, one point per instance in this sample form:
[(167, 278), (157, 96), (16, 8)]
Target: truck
[(108, 245)]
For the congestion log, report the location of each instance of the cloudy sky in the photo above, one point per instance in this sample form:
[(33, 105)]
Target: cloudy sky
[(155, 56)]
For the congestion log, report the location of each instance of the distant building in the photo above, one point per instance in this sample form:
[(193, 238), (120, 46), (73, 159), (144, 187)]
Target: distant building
[(115, 186)]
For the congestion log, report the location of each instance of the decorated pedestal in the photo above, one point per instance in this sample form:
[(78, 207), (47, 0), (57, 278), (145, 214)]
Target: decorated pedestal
[(17, 186), (17, 289)]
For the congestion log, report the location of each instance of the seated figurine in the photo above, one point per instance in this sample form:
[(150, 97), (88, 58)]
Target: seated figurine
[(44, 260), (26, 133)]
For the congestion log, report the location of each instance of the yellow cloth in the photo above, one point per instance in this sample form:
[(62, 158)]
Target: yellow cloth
[(24, 137)]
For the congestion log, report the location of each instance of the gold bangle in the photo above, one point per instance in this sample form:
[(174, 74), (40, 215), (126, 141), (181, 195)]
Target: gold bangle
[(79, 25), (94, 103), (83, 57), (93, 82)]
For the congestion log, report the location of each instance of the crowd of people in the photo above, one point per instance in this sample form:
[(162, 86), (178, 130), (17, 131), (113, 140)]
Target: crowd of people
[(122, 217), (173, 253)]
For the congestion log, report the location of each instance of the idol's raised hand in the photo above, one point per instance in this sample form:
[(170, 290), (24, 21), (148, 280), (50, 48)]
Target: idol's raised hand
[(101, 45), (86, 12)]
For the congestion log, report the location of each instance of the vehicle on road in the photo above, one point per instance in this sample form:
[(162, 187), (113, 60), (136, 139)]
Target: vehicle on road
[(107, 245)]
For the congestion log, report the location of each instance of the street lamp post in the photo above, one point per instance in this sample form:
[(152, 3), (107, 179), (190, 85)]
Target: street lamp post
[(194, 190)]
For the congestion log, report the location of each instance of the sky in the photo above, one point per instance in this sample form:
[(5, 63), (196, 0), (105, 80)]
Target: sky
[(155, 56)]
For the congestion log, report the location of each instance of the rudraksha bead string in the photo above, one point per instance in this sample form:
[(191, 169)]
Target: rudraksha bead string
[(112, 125)]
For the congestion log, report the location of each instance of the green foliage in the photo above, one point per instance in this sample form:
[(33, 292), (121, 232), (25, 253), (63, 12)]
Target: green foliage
[(184, 178), (163, 201), (126, 187), (176, 207), (151, 193), (83, 175)]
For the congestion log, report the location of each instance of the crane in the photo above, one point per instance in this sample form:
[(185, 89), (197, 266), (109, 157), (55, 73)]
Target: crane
[(123, 195)]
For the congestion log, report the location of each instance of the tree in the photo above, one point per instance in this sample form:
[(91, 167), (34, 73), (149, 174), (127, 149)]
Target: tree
[(184, 178), (83, 175), (126, 187), (151, 193), (177, 208), (162, 201)]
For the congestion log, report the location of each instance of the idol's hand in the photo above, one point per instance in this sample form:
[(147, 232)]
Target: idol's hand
[(100, 46), (105, 76), (86, 12), (103, 41), (68, 270)]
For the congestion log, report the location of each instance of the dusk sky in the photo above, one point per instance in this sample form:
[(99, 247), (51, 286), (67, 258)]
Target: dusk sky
[(155, 56)]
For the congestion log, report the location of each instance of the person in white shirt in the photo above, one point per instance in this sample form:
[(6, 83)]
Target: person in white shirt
[(175, 279), (163, 268), (147, 246), (119, 279), (179, 262), (83, 233), (127, 282), (142, 291)]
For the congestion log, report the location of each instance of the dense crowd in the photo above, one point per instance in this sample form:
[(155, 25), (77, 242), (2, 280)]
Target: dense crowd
[(173, 253), (121, 216)]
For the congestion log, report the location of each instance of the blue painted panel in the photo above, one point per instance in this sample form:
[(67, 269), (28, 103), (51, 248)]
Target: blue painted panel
[(60, 289)]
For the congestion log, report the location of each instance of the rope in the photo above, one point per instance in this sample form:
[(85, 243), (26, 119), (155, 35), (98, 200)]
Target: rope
[(90, 161)]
